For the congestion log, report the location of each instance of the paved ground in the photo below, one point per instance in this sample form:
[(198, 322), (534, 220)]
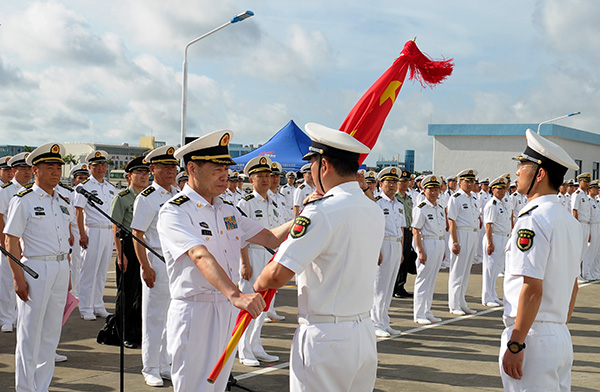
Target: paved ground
[(459, 354)]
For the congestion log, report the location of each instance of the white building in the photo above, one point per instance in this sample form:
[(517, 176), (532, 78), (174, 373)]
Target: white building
[(488, 148), (118, 155)]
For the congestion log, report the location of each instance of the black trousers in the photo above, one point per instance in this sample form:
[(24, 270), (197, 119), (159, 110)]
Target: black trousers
[(405, 266), (131, 287)]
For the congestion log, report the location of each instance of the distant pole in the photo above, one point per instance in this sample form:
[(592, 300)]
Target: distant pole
[(556, 119), (235, 19)]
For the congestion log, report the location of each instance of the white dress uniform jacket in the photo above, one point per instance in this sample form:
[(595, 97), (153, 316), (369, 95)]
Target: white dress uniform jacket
[(336, 275), (200, 318), (544, 244), (42, 222)]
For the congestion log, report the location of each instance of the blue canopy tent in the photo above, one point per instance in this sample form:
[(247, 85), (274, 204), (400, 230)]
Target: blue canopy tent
[(287, 147)]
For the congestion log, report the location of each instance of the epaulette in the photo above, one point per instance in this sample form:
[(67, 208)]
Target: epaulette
[(578, 191), (316, 200), (241, 212), (302, 186), (275, 204), (148, 190), (377, 198), (527, 211), (249, 197), (66, 199), (227, 202), (494, 202), (66, 186), (84, 181), (6, 184), (422, 205), (124, 193), (515, 194), (28, 186), (23, 193), (455, 194), (180, 200)]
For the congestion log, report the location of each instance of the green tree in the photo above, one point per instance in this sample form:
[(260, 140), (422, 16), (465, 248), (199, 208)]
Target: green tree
[(70, 159)]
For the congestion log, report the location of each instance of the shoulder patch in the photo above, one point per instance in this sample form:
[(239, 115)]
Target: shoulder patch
[(66, 199), (527, 211), (125, 192), (455, 194), (148, 190), (23, 193), (65, 186), (317, 200), (86, 180), (179, 200), (6, 184), (525, 239), (378, 197), (249, 197), (299, 226), (422, 205)]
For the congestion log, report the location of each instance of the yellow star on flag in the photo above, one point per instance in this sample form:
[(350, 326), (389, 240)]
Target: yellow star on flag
[(391, 91)]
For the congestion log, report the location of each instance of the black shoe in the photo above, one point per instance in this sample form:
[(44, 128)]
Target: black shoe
[(129, 344), (406, 294), (398, 295)]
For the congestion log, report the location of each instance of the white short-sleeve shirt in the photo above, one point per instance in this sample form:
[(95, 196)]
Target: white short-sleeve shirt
[(145, 211), (580, 202), (463, 209), (496, 213), (105, 191), (393, 211), (430, 219), (301, 192)]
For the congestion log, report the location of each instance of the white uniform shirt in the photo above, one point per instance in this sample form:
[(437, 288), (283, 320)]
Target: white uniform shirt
[(430, 219), (145, 211), (518, 201), (7, 191), (548, 248), (393, 211), (508, 205), (41, 221), (188, 220), (581, 202), (105, 191), (463, 209), (264, 211), (284, 210), (443, 199), (327, 248), (595, 215), (483, 197), (300, 194), (232, 197), (287, 191), (419, 197), (496, 213), (564, 201)]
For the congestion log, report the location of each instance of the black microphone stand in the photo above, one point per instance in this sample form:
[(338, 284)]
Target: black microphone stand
[(26, 268), (122, 235)]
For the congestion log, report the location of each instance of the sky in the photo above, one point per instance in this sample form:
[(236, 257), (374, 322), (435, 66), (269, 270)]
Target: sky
[(110, 71)]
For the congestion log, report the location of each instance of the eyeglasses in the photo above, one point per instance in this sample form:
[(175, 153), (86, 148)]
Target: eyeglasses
[(524, 164)]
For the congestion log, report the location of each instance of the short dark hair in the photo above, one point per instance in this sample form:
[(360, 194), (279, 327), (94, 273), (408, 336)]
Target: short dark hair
[(342, 167), (555, 178)]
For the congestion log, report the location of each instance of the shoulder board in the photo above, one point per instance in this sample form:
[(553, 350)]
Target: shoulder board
[(578, 191), (422, 205), (302, 186), (124, 193), (28, 186), (180, 200), (455, 194), (23, 193), (66, 199), (249, 197), (241, 212), (65, 186), (494, 202), (527, 211), (148, 190), (84, 181), (227, 202), (275, 204), (317, 200), (377, 198), (6, 184)]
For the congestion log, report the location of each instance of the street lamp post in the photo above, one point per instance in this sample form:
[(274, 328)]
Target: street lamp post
[(235, 19), (556, 119)]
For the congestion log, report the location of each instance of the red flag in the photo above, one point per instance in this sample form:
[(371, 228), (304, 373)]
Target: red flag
[(366, 118)]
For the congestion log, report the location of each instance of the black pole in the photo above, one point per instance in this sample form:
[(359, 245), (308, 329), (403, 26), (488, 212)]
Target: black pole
[(26, 268)]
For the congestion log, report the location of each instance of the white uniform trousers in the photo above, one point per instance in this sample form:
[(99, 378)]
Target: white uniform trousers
[(94, 268), (426, 276), (8, 297), (334, 357), (197, 335), (480, 250), (590, 255), (76, 258), (492, 266), (547, 361), (155, 305), (460, 268), (385, 279), (250, 341), (447, 250), (39, 324)]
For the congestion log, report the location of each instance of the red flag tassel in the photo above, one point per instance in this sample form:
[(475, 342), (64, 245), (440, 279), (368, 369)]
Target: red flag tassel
[(422, 68)]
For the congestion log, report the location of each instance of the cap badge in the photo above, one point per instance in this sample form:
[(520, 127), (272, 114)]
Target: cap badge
[(393, 171), (98, 154), (144, 161), (433, 178), (84, 167), (55, 149), (274, 165), (26, 155), (170, 151), (263, 161), (470, 171), (224, 140)]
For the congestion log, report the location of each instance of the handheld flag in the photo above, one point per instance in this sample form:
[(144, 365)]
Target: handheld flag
[(366, 118)]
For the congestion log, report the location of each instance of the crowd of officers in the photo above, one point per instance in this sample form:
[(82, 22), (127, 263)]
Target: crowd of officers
[(431, 223)]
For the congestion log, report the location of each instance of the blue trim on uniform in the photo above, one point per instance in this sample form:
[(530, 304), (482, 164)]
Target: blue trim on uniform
[(512, 130)]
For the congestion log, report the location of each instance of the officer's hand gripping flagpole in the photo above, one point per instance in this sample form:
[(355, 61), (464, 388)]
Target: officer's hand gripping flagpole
[(26, 268), (242, 322)]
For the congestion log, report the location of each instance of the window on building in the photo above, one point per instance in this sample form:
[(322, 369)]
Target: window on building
[(579, 163), (595, 170)]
